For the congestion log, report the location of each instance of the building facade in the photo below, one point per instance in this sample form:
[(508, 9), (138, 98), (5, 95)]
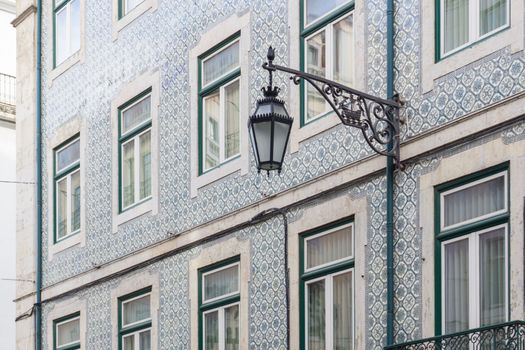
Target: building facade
[(151, 229)]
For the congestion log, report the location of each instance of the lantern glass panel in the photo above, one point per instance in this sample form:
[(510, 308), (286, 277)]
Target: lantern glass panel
[(263, 137), (279, 140)]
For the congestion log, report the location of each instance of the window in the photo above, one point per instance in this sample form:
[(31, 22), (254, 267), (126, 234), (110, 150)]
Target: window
[(126, 6), (472, 248), (66, 332), (67, 29), (327, 41), (135, 151), (219, 298), (327, 285), (219, 99), (463, 22), (67, 189), (135, 320)]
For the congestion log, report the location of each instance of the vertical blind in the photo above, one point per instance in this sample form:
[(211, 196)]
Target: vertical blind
[(222, 282), (136, 310), (456, 298), (493, 14), (492, 276), (343, 325), (316, 316), (329, 247), (456, 23), (220, 63)]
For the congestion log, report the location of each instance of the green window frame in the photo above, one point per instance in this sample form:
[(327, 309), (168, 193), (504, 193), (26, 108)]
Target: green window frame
[(64, 178), (474, 26), (126, 6), (209, 89), (140, 186), (470, 236), (325, 23), (219, 304), (326, 273), (135, 329), (70, 9), (61, 321)]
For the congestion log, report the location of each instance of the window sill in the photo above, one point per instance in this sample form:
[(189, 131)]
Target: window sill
[(66, 243), (133, 212), (219, 172), (119, 24), (66, 65)]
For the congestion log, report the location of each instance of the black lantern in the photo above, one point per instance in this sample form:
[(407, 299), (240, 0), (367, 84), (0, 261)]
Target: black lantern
[(270, 127)]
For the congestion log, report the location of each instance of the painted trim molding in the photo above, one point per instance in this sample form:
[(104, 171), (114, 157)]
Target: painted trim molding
[(64, 308)]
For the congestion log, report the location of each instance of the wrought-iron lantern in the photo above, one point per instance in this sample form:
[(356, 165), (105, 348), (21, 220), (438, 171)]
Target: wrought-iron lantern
[(269, 129)]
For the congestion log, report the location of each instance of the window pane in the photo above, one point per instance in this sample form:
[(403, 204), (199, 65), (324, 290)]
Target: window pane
[(492, 277), (317, 8), (68, 332), (130, 5), (128, 173), (145, 165), (61, 209), (129, 342), (136, 114), (145, 340), (211, 130), (343, 51), (456, 24), (316, 316), (315, 64), (211, 331), (456, 301), (68, 155), (493, 15), (231, 127), (61, 43), (136, 310), (343, 309), (222, 282), (231, 324), (75, 27), (329, 247), (475, 201), (220, 63), (75, 201)]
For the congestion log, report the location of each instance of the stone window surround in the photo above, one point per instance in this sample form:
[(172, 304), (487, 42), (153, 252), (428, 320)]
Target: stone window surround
[(298, 133), (64, 308), (129, 285), (119, 24), (75, 126), (332, 210), (228, 27), (55, 72), (470, 162), (431, 70), (215, 253), (128, 92)]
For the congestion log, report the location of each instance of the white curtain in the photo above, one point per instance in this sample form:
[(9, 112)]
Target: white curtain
[(68, 155), (222, 282), (456, 298), (221, 63), (212, 115), (493, 14), (211, 331), (456, 23), (137, 310), (343, 50), (61, 208), (475, 201), (343, 325), (316, 316), (68, 332), (231, 127), (75, 201), (136, 114), (145, 340), (492, 277), (145, 165), (231, 323), (128, 173), (330, 247)]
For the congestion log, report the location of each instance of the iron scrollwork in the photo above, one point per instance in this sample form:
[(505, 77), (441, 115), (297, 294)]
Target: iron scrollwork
[(377, 118)]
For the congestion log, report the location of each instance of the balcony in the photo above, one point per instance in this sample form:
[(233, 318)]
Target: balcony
[(508, 336), (7, 98)]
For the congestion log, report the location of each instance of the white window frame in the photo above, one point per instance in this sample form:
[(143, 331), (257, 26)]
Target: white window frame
[(207, 58), (125, 10), (136, 153), (329, 302), (305, 14), (64, 322), (330, 55), (474, 26), (136, 339), (57, 151), (66, 7), (222, 128), (136, 322), (474, 273), (203, 282), (324, 233), (470, 184), (222, 335)]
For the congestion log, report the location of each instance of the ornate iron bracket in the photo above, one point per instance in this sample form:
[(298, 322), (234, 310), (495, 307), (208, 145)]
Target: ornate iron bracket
[(377, 118)]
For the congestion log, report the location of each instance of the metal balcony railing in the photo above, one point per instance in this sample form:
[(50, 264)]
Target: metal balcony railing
[(7, 89), (505, 336)]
